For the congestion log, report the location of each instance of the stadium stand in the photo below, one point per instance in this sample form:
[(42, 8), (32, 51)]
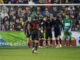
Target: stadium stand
[(13, 18), (38, 1)]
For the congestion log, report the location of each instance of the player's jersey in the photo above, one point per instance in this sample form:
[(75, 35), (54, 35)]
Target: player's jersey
[(28, 28), (67, 23), (57, 24), (41, 23), (27, 25), (35, 25), (44, 25), (48, 26)]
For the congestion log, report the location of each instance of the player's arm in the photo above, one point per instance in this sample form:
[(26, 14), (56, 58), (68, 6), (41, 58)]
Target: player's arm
[(63, 24), (70, 25)]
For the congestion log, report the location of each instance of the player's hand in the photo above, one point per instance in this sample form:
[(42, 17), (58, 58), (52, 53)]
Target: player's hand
[(63, 31), (69, 30)]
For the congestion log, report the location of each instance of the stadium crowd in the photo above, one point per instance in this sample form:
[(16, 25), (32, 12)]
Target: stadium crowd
[(13, 18), (37, 1)]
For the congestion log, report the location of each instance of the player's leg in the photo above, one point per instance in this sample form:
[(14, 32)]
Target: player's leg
[(65, 36), (57, 43), (51, 42), (70, 41), (59, 37), (41, 42), (36, 41), (65, 40), (50, 38), (28, 39), (60, 40), (70, 38), (41, 39), (46, 39), (33, 47), (36, 47), (28, 42), (56, 37), (33, 38)]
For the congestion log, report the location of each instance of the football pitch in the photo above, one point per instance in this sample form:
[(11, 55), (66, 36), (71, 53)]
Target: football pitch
[(65, 53)]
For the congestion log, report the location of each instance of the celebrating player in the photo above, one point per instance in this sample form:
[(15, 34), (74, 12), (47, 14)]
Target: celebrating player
[(49, 31), (57, 30), (41, 31)]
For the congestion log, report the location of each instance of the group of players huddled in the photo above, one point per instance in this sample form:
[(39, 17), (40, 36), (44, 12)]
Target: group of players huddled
[(36, 27)]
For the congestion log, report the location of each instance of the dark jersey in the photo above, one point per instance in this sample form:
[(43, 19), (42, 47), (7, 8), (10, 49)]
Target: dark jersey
[(44, 25), (41, 23), (27, 27), (35, 30), (48, 26), (57, 25), (35, 25)]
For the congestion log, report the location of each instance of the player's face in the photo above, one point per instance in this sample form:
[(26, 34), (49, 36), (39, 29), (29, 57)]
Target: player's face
[(67, 16), (54, 18), (35, 19), (44, 19), (29, 19)]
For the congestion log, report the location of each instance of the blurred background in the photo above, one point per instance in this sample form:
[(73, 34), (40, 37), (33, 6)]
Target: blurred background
[(38, 1)]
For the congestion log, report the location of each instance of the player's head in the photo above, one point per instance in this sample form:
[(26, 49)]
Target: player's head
[(45, 18), (48, 19), (17, 20), (54, 18), (35, 18), (29, 19), (67, 16), (40, 16)]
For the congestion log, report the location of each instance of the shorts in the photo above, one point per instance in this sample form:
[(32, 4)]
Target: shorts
[(57, 33), (48, 34), (41, 35), (35, 35), (67, 33)]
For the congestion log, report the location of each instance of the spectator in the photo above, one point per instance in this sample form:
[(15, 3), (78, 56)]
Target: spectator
[(3, 28), (31, 2), (7, 1), (4, 13), (25, 1), (49, 2), (13, 1), (1, 2), (14, 18)]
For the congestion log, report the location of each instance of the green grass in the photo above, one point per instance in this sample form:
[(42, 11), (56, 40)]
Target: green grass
[(68, 53), (13, 36), (17, 36)]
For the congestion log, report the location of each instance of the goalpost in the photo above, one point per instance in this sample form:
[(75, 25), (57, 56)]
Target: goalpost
[(39, 4)]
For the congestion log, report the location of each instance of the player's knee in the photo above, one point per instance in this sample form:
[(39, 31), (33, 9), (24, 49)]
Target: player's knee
[(36, 41)]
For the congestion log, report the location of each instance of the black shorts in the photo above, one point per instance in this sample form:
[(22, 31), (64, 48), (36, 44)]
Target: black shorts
[(41, 35), (35, 35), (48, 34), (57, 33)]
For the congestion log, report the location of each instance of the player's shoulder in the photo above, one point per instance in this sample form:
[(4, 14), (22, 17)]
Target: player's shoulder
[(70, 18)]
